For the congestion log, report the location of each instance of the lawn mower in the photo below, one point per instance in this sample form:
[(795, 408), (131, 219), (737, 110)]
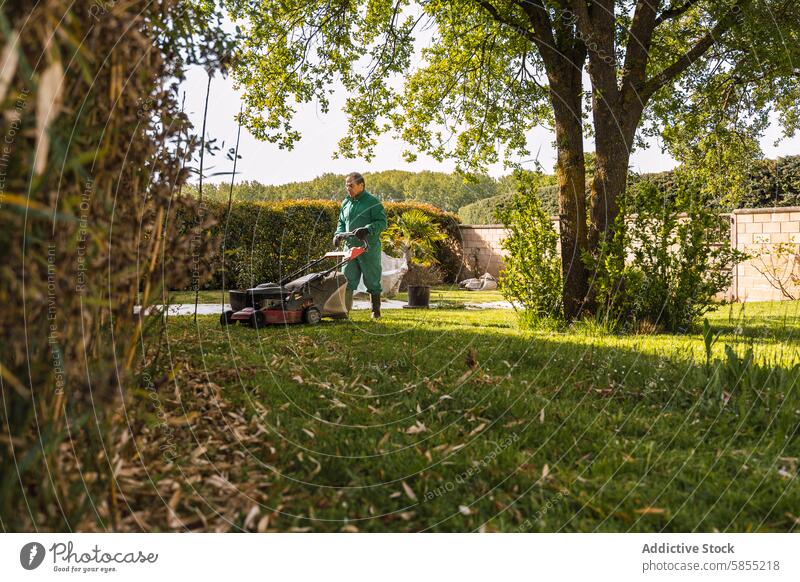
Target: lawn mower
[(297, 298)]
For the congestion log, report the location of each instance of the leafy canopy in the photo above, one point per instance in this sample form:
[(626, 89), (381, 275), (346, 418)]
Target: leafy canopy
[(467, 79)]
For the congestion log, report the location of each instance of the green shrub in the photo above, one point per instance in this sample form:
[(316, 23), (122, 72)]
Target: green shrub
[(532, 273), (676, 264), (769, 183), (449, 255), (266, 241)]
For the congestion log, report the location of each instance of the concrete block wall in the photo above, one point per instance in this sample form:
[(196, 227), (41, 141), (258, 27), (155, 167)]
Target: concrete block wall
[(759, 231), (483, 242), (756, 231), (482, 250)]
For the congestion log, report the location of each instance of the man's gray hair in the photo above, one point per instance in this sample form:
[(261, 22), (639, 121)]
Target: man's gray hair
[(356, 177)]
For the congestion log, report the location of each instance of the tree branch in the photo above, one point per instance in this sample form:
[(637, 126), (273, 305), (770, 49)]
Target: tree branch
[(637, 47), (693, 54), (674, 12), (582, 18), (596, 30), (543, 32), (495, 14)]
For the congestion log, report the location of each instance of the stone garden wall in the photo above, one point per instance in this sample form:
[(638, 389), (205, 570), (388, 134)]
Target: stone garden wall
[(772, 235)]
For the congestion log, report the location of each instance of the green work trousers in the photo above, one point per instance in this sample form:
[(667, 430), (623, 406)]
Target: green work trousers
[(368, 265)]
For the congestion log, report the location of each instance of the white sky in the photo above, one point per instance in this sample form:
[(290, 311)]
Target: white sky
[(313, 155)]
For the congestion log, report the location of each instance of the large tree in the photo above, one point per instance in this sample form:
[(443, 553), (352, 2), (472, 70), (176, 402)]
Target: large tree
[(488, 71)]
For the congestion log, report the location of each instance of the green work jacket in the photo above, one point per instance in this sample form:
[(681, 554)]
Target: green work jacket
[(364, 210)]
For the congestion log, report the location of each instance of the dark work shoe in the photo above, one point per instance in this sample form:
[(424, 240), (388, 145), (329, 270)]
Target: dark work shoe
[(376, 305)]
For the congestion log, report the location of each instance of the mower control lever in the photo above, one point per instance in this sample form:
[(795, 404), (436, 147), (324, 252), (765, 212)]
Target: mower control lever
[(343, 236)]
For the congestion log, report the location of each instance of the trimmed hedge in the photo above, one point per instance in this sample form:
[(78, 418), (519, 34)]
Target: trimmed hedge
[(771, 183), (266, 241), (485, 211), (774, 183)]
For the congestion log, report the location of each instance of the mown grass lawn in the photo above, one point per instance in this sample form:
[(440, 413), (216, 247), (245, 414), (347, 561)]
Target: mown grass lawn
[(450, 294), (457, 420)]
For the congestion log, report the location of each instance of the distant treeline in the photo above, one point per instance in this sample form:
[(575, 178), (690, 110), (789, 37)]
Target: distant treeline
[(475, 198), (446, 191)]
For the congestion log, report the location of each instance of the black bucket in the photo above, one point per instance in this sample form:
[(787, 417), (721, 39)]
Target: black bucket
[(419, 296)]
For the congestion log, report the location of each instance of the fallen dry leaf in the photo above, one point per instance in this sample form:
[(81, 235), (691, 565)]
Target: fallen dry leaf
[(172, 518), (187, 418), (263, 524), (249, 521), (416, 428), (472, 359), (477, 429), (463, 377)]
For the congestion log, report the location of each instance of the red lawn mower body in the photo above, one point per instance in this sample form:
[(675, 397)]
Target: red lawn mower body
[(297, 298)]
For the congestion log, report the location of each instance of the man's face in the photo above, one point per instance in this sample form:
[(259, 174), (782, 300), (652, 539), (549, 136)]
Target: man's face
[(353, 189)]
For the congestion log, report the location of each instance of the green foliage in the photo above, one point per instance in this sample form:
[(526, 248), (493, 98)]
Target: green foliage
[(714, 118), (551, 394), (664, 267), (773, 183), (767, 183), (532, 273), (266, 241), (487, 211), (446, 191), (448, 251), (414, 234), (308, 46), (448, 106), (759, 184), (765, 396), (709, 339), (615, 283)]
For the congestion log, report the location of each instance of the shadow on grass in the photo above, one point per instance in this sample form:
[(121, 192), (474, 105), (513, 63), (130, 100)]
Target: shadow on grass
[(457, 421)]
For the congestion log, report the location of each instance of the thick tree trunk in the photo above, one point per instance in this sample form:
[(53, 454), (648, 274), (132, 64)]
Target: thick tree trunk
[(615, 126), (571, 171), (608, 186), (614, 131)]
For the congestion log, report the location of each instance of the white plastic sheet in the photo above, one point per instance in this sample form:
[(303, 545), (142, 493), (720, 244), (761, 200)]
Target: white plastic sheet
[(483, 283), (391, 275)]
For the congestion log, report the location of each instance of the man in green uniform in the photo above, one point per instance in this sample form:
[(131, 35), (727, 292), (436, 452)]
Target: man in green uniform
[(362, 214)]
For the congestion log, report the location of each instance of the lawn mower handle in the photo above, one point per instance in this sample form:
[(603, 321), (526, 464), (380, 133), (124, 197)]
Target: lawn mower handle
[(345, 235), (316, 262)]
